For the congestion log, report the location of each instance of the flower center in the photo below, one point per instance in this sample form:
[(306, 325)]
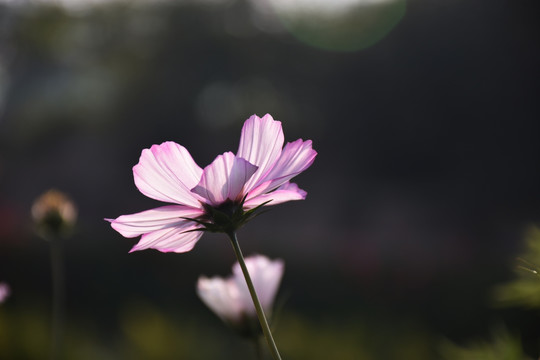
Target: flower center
[(228, 208), (227, 216)]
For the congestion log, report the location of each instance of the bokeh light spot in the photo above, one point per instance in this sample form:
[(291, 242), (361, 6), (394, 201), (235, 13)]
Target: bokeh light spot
[(344, 25)]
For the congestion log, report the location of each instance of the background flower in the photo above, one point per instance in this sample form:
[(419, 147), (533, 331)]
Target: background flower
[(229, 297), (5, 291), (54, 214)]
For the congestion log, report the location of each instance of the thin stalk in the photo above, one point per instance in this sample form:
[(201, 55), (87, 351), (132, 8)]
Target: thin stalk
[(258, 349), (58, 297), (260, 313)]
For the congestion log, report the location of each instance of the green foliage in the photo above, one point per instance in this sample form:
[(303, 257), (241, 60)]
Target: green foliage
[(503, 347), (301, 338), (143, 330), (524, 290)]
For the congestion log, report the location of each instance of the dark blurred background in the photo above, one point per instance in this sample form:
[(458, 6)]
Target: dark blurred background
[(425, 117)]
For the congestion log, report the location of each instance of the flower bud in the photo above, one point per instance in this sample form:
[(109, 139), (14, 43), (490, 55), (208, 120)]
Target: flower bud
[(54, 214)]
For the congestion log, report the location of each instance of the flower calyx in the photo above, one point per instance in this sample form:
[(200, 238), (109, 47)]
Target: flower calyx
[(227, 217)]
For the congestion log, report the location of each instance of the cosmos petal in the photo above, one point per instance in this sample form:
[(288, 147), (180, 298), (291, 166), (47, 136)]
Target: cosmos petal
[(229, 297), (286, 192), (295, 158), (265, 275), (167, 172), (221, 296), (224, 179), (153, 220), (260, 144), (173, 239)]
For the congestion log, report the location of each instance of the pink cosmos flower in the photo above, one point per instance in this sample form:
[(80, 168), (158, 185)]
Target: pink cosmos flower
[(218, 197), (230, 299)]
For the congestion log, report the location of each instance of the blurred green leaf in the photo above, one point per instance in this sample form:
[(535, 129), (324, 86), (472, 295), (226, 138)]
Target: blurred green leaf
[(302, 338), (524, 290), (503, 347)]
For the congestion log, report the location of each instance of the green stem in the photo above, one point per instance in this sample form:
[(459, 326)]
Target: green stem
[(258, 350), (260, 313), (57, 270)]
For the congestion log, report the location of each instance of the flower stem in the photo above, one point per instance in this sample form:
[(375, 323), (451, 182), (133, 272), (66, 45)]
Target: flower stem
[(258, 349), (260, 313), (57, 270)]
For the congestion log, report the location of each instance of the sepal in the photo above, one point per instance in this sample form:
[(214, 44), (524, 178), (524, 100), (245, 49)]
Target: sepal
[(226, 218)]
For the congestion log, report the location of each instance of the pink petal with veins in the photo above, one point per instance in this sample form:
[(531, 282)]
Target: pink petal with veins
[(260, 144), (155, 219), (286, 192), (224, 179), (173, 239), (167, 173), (295, 158)]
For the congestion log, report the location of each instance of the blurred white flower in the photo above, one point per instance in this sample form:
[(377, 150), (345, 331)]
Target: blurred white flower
[(5, 291), (229, 298)]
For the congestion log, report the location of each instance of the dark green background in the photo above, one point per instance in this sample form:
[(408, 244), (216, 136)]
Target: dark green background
[(427, 175)]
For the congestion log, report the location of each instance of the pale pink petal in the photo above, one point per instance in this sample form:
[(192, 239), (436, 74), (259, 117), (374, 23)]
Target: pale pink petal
[(266, 276), (260, 144), (286, 192), (175, 239), (167, 173), (5, 291), (221, 296), (224, 179), (155, 219), (295, 158)]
